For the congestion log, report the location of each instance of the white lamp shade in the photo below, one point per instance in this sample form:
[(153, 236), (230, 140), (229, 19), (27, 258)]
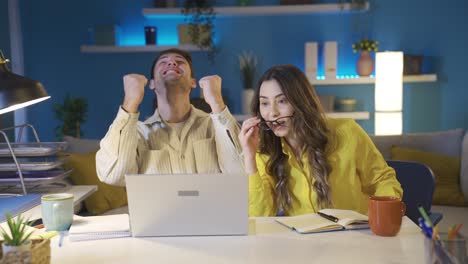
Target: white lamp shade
[(390, 123), (389, 81)]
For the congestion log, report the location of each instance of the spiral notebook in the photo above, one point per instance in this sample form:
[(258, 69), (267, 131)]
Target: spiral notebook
[(99, 227)]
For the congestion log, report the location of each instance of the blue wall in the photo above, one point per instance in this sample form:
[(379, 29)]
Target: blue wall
[(53, 31)]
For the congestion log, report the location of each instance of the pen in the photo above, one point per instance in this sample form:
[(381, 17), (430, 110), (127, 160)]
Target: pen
[(62, 234), (329, 217), (425, 216), (426, 229)]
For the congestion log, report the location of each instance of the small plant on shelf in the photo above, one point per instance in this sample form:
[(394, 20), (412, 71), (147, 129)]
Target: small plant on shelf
[(17, 235), (201, 15), (248, 68), (365, 45)]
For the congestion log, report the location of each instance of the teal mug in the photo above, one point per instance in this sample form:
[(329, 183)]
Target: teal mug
[(57, 211)]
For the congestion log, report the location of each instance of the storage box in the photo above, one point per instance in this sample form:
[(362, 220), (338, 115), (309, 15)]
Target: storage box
[(203, 34), (346, 105), (412, 64), (311, 59), (330, 59), (107, 35)]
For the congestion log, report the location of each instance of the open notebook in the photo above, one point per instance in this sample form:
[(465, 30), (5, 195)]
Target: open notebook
[(99, 227), (313, 223)]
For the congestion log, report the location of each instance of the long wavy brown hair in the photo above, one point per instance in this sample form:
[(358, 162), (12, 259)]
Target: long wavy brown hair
[(309, 127)]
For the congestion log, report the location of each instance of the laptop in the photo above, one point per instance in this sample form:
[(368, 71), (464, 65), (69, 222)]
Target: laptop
[(187, 204)]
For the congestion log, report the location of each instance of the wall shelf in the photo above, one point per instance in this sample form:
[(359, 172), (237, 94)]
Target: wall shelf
[(370, 80), (142, 48), (353, 115), (262, 10)]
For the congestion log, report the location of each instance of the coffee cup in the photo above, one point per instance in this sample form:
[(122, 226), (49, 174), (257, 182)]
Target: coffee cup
[(385, 215), (57, 211)]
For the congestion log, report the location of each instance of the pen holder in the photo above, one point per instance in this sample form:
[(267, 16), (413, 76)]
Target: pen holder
[(39, 253), (447, 250)]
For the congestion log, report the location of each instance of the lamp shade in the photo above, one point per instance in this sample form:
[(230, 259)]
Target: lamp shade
[(17, 91), (389, 81)]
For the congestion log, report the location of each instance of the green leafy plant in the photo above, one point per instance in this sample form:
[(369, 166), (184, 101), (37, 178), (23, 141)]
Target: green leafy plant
[(248, 68), (18, 234), (200, 15), (72, 114), (365, 45)]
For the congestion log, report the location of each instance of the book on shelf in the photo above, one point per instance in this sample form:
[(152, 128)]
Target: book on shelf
[(325, 220), (17, 204), (99, 227)]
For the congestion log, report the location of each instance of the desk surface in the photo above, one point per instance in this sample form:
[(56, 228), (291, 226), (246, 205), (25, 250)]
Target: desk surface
[(269, 242)]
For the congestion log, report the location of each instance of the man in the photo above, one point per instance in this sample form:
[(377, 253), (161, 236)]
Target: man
[(178, 138)]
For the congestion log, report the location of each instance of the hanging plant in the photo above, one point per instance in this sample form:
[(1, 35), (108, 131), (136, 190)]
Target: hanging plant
[(72, 114), (200, 15)]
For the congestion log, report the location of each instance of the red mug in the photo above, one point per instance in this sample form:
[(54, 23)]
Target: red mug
[(385, 215)]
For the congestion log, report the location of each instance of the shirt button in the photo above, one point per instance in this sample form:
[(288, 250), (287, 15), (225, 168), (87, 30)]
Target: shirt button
[(222, 120)]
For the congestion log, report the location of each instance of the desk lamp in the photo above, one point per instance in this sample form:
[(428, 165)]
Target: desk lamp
[(389, 93), (17, 92)]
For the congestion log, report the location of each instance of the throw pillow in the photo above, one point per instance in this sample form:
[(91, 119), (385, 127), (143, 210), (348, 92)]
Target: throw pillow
[(80, 145), (446, 171), (84, 173)]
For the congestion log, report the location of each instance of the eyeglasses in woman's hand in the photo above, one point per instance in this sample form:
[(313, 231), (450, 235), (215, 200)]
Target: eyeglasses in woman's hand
[(265, 125)]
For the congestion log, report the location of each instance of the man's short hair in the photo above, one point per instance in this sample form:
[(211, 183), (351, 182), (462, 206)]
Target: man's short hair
[(182, 53)]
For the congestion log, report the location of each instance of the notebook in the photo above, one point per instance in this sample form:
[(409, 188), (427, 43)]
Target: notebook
[(99, 227), (187, 204), (17, 204), (314, 223)]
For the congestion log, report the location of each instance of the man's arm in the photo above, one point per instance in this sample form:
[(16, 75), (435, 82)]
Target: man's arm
[(118, 153), (228, 148), (226, 127), (118, 150)]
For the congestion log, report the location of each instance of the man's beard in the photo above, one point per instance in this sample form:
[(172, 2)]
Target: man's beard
[(176, 85)]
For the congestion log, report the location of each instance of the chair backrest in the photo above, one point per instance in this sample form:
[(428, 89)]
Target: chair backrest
[(417, 181)]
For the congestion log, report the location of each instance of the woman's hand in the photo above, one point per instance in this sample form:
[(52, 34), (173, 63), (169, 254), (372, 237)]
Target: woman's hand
[(248, 138)]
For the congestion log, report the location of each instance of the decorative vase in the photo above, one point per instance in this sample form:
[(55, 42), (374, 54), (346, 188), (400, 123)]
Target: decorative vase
[(365, 64), (247, 97)]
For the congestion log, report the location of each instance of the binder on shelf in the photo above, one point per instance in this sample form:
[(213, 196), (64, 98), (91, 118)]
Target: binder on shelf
[(331, 58), (311, 59)]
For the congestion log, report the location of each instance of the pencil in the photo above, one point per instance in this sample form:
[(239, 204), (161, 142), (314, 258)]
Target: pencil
[(457, 230), (435, 234)]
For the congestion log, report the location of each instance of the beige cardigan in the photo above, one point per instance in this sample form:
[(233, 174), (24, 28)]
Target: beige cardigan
[(208, 143)]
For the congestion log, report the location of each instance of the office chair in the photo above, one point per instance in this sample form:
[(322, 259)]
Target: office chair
[(417, 181)]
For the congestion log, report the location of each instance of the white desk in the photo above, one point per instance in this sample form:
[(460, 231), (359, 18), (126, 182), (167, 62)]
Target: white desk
[(269, 243)]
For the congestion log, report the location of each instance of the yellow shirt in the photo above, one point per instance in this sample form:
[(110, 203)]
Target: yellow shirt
[(358, 171)]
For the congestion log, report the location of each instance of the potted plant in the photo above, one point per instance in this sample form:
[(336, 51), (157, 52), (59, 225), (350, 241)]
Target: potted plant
[(72, 114), (248, 68), (17, 237), (365, 63), (200, 16)]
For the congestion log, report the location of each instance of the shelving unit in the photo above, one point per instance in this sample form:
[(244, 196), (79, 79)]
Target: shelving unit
[(353, 115), (262, 10), (369, 80), (129, 49)]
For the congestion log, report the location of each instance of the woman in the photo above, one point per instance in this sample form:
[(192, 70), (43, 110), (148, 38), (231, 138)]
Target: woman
[(299, 161)]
